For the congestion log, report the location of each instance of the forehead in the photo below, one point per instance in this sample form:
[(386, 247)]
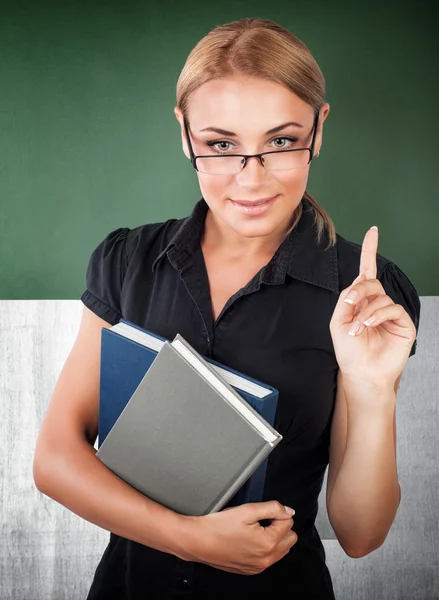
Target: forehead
[(241, 101)]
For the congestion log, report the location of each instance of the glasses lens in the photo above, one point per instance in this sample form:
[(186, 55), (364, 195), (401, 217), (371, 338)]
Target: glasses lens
[(221, 165), (284, 161), (277, 161)]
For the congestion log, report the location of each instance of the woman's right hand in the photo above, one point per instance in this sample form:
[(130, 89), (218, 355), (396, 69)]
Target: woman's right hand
[(233, 540)]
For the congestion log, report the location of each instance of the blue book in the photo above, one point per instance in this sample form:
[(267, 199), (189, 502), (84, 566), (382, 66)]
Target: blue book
[(127, 352)]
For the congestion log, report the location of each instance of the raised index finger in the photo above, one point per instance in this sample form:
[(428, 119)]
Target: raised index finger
[(369, 249)]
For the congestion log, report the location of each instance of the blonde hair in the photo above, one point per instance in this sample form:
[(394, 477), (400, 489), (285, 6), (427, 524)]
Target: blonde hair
[(261, 48)]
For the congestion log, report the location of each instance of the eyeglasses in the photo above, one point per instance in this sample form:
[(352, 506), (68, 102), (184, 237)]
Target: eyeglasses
[(275, 160)]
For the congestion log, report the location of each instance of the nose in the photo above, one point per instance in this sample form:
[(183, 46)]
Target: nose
[(252, 174)]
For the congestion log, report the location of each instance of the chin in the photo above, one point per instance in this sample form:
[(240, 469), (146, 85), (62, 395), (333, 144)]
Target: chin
[(259, 225), (260, 229)]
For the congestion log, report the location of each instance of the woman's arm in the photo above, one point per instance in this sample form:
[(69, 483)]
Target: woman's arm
[(373, 338), (363, 492), (66, 469), (65, 466)]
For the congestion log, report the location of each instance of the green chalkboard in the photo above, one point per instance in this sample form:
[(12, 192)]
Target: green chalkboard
[(89, 141)]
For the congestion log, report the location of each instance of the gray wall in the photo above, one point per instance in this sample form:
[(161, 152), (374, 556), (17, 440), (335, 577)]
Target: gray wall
[(48, 553)]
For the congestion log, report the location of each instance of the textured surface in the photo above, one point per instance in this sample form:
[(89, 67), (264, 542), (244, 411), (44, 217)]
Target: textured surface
[(48, 553)]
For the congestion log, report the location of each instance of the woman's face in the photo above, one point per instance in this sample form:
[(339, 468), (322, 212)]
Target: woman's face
[(249, 107)]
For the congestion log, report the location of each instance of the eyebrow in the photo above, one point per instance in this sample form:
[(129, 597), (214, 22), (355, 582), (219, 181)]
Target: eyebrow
[(232, 134)]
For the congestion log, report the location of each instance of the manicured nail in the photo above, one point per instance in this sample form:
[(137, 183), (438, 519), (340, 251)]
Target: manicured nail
[(350, 298), (289, 510), (355, 327), (374, 227), (369, 321)]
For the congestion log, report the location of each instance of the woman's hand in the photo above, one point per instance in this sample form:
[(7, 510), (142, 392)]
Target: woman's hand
[(372, 335), (233, 540)]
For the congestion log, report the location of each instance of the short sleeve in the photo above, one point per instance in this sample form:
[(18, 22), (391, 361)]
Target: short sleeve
[(399, 287), (105, 275)]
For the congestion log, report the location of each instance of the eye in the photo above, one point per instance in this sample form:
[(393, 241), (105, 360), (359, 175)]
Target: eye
[(287, 138), (213, 143)]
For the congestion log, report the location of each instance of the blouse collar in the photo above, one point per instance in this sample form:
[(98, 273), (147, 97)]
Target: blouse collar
[(300, 255)]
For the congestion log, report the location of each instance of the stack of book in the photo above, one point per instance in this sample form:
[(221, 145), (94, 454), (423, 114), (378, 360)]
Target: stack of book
[(185, 431)]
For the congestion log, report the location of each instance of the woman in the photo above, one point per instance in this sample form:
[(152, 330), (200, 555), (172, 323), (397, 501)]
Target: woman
[(256, 278)]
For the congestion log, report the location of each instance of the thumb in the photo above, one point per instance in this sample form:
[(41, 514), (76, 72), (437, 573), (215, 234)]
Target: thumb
[(360, 277), (344, 312), (258, 511)]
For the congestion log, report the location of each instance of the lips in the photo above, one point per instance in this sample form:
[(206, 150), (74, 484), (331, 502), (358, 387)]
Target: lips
[(254, 202), (254, 208)]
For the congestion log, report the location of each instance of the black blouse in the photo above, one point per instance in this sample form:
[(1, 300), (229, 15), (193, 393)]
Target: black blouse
[(275, 329)]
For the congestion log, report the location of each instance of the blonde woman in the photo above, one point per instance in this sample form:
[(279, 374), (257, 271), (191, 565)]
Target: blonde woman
[(257, 278)]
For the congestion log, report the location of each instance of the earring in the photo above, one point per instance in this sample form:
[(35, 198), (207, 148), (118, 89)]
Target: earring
[(317, 154)]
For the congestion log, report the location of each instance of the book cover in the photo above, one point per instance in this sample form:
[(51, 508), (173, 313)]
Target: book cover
[(179, 442), (124, 363)]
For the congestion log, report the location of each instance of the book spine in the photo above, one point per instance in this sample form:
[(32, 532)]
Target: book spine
[(239, 482)]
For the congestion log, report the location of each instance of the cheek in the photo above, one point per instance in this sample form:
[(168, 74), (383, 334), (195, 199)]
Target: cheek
[(292, 183), (215, 187)]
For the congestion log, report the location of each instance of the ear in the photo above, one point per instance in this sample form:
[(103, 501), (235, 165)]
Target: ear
[(179, 116), (324, 111)]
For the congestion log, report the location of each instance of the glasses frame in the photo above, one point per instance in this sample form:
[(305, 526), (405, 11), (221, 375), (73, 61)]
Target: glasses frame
[(194, 157)]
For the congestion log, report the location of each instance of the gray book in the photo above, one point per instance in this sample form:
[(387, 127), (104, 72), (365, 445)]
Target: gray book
[(186, 439)]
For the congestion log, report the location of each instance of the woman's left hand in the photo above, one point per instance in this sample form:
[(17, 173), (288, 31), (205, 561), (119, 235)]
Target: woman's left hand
[(372, 335)]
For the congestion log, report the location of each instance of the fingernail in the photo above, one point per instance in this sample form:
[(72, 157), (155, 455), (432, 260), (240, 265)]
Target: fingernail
[(374, 227), (289, 510), (369, 321), (350, 298), (355, 327)]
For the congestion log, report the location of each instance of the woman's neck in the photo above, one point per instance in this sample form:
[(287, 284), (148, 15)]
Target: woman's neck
[(219, 238)]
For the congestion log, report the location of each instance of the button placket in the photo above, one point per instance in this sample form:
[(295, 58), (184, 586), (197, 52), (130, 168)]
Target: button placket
[(184, 576)]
